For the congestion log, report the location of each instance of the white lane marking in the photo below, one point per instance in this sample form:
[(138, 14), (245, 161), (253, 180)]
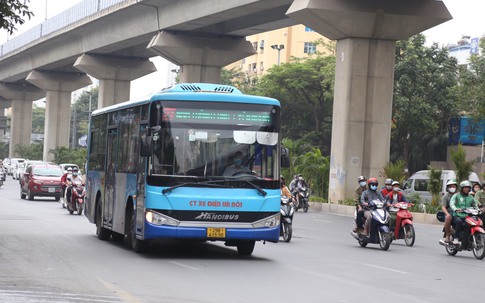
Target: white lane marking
[(319, 220), (386, 268), (184, 265)]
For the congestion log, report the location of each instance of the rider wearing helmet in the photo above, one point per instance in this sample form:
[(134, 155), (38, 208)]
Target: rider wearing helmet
[(458, 202), (445, 207), (387, 188), (65, 179), (368, 195), (357, 193)]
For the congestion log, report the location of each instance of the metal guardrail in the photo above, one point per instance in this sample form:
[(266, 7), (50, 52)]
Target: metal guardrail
[(78, 12)]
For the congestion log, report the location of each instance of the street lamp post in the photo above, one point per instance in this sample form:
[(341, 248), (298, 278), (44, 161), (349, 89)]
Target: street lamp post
[(278, 48)]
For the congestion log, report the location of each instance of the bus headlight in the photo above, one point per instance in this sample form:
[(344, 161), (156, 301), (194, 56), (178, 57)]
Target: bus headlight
[(159, 219), (268, 222)]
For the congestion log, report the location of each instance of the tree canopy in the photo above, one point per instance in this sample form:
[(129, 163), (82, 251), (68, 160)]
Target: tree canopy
[(13, 13), (425, 98)]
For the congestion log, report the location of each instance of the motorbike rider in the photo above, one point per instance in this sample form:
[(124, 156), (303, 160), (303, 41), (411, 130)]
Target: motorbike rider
[(394, 196), (369, 195), (357, 193), (284, 189), (296, 185), (480, 196), (458, 202), (65, 179), (445, 207), (385, 190), (76, 178)]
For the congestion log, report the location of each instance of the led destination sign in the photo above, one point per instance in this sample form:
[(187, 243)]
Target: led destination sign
[(215, 116)]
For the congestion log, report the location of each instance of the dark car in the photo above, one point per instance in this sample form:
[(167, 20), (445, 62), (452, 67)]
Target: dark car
[(43, 180)]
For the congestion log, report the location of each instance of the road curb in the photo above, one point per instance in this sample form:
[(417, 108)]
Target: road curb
[(347, 210)]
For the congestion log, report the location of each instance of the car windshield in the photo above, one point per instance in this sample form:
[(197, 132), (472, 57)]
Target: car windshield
[(47, 171)]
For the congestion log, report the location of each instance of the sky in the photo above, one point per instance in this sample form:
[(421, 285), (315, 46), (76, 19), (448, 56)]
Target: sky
[(467, 20)]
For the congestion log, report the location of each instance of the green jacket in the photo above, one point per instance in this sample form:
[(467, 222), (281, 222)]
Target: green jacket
[(459, 201), (480, 197)]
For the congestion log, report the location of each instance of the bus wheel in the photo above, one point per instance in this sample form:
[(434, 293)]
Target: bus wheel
[(137, 245), (245, 248), (101, 232)]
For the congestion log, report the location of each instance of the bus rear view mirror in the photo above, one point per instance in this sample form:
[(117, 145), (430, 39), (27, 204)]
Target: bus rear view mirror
[(146, 145)]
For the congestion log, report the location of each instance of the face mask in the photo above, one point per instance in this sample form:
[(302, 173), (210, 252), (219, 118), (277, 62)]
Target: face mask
[(373, 187), (389, 187), (362, 183), (238, 161), (452, 190), (395, 189)]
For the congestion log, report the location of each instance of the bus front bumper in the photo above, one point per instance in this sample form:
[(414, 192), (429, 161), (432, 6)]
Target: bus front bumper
[(270, 234)]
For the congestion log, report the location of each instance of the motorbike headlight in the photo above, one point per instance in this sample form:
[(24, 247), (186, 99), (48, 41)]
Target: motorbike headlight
[(268, 222), (159, 219)]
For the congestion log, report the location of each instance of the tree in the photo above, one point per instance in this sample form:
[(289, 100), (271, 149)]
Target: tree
[(425, 98), (434, 185), (32, 152), (63, 154), (462, 166), (472, 88), (13, 12), (80, 112), (316, 169), (38, 119), (395, 170), (305, 89)]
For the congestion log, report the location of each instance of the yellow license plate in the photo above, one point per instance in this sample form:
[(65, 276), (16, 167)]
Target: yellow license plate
[(216, 232)]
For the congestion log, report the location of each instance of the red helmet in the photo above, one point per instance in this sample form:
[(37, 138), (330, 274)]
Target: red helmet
[(372, 181)]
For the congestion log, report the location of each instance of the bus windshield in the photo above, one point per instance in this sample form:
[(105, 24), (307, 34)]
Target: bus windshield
[(215, 140)]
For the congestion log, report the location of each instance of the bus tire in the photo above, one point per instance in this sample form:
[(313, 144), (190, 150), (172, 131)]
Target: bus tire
[(137, 245), (245, 248), (102, 233)]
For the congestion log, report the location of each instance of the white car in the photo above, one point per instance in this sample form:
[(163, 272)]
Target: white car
[(65, 166), (15, 165)]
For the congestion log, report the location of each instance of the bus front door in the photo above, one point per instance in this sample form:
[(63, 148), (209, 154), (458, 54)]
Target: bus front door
[(110, 193)]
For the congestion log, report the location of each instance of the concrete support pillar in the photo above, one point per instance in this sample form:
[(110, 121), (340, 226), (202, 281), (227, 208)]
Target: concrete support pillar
[(22, 96), (58, 87), (114, 74), (200, 58), (364, 78)]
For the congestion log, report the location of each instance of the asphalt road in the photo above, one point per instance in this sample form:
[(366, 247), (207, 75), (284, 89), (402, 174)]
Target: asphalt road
[(47, 255)]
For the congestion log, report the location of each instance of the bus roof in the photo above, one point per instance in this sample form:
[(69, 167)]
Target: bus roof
[(195, 92)]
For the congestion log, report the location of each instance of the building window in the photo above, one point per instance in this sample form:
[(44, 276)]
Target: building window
[(261, 46), (255, 46), (254, 70), (307, 29), (310, 48), (261, 66)]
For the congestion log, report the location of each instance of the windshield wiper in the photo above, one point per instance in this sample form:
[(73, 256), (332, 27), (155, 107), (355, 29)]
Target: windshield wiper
[(208, 183), (261, 191)]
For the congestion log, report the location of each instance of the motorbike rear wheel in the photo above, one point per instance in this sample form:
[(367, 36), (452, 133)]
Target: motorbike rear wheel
[(451, 249), (479, 248), (384, 240), (286, 231), (79, 208), (409, 234)]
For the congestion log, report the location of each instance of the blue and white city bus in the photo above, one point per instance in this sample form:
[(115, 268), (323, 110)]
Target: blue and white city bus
[(157, 168)]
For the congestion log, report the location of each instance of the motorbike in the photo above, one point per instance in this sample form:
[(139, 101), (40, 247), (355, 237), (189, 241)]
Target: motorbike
[(476, 238), (78, 194), (2, 177), (379, 232), (287, 210), (403, 226), (304, 193)]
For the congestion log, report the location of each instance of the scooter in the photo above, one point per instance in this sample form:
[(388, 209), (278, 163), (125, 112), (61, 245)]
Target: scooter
[(403, 226), (304, 193), (379, 232), (476, 238), (287, 210), (78, 194), (2, 176)]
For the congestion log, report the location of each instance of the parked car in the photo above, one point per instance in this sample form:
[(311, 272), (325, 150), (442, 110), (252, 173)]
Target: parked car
[(42, 180), (418, 183)]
